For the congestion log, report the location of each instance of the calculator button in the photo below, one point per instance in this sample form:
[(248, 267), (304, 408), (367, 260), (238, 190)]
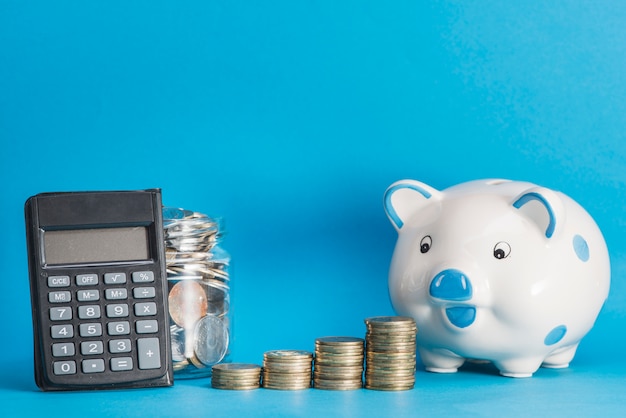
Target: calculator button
[(88, 295), (118, 328), (61, 314), (87, 279), (62, 331), (59, 297), (147, 326), (117, 311), (90, 330), (89, 348), (144, 292), (64, 367), (119, 346), (63, 349), (149, 355), (114, 294), (119, 364), (143, 277), (58, 281), (89, 312), (114, 278), (93, 366), (145, 309)]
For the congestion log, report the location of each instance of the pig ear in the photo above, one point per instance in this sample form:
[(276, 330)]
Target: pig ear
[(542, 207), (403, 198)]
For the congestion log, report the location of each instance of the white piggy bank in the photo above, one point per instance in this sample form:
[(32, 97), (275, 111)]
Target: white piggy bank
[(495, 270)]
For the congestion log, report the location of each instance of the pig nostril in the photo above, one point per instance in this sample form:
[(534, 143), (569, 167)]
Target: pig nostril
[(451, 284)]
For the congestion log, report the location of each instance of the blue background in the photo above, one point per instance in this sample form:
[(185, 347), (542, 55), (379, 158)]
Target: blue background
[(289, 119)]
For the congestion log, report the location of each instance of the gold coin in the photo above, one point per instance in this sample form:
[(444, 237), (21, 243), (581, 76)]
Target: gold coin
[(390, 321), (392, 350), (390, 368), (323, 358), (339, 354), (250, 387), (339, 350), (358, 364), (236, 368), (337, 368), (288, 361), (325, 385), (286, 387), (389, 356), (287, 355), (388, 388), (342, 341), (286, 376), (180, 365), (236, 383), (240, 379), (372, 342), (386, 331), (287, 366), (247, 385), (338, 371)]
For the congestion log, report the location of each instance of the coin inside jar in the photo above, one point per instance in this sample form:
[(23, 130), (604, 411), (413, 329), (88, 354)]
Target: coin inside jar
[(211, 341), (178, 343), (187, 303), (218, 299)]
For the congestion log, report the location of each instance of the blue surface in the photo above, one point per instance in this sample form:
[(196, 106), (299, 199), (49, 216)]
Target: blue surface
[(290, 120)]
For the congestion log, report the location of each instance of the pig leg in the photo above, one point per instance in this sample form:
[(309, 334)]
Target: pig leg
[(440, 360), (560, 358), (518, 367)]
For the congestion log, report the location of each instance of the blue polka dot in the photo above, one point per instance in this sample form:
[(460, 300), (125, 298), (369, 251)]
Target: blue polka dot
[(555, 335), (581, 248)]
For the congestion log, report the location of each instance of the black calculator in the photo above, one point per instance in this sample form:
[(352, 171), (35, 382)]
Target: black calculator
[(98, 290)]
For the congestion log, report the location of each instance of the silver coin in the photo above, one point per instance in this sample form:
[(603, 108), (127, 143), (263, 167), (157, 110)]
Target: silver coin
[(218, 300), (178, 343), (211, 340), (194, 228)]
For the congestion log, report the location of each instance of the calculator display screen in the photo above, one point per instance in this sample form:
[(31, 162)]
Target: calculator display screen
[(95, 245)]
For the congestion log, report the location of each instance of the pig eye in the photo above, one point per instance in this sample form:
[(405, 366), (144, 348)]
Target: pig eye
[(501, 250), (425, 244)]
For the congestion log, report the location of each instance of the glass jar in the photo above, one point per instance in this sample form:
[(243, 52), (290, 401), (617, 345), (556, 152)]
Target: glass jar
[(199, 292)]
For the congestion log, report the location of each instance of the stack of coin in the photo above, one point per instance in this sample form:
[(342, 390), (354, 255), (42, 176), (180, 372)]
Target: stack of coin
[(390, 353), (338, 363), (199, 291), (236, 376), (287, 369)]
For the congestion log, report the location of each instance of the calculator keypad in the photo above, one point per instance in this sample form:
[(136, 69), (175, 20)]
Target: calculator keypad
[(104, 323)]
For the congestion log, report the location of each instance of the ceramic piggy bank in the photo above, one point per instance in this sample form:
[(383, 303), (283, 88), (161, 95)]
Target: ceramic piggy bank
[(495, 270)]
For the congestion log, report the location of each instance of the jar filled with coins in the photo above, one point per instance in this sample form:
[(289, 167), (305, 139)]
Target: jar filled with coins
[(199, 292)]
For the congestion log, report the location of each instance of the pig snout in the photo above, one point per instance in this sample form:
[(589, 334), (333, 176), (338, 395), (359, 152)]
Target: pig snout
[(453, 285)]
